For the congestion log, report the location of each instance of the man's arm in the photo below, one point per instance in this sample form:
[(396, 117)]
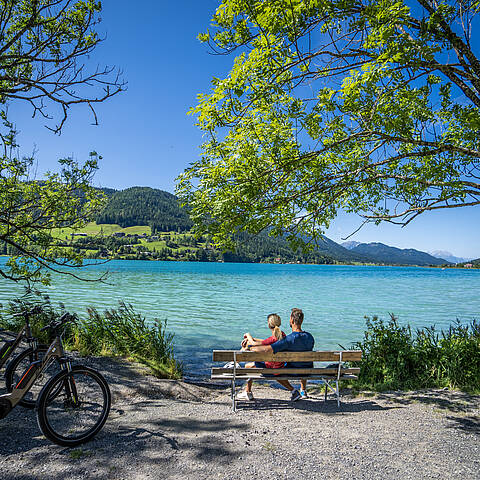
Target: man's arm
[(262, 348), (278, 346)]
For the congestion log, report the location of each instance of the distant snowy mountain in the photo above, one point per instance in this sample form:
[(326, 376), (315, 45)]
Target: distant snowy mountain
[(449, 257), (351, 244)]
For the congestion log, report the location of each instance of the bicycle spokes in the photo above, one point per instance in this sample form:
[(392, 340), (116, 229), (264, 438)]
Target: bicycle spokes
[(78, 410)]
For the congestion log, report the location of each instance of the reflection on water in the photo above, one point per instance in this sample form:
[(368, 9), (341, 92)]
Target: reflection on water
[(211, 305)]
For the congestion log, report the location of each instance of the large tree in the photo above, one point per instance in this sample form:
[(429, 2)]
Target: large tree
[(44, 60), (370, 107)]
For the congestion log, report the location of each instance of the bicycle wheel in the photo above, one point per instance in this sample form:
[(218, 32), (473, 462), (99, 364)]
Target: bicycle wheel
[(75, 412), (20, 364)]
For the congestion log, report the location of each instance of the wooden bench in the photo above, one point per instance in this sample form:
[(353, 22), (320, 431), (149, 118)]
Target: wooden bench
[(331, 376)]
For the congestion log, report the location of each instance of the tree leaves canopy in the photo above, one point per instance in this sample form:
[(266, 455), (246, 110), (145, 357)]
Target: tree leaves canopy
[(44, 45), (44, 49), (370, 107), (31, 210)]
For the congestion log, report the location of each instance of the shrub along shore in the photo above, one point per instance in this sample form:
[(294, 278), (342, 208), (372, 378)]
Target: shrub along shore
[(115, 332), (395, 357)]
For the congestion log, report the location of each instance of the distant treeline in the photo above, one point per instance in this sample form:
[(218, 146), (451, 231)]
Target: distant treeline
[(186, 247), (258, 248), (144, 206)]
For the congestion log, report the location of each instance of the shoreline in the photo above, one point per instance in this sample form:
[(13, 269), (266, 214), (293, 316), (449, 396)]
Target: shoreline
[(106, 261)]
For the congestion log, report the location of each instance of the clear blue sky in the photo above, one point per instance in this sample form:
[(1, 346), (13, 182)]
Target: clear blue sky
[(146, 137)]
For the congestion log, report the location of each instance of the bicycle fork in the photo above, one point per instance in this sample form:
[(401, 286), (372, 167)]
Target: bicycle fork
[(70, 386)]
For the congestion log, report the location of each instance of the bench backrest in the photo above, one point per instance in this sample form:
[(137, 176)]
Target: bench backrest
[(318, 356)]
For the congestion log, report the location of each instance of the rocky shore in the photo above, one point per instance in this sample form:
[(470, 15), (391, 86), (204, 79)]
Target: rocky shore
[(179, 430)]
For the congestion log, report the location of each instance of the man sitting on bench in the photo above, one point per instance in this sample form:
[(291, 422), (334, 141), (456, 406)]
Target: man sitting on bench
[(297, 341)]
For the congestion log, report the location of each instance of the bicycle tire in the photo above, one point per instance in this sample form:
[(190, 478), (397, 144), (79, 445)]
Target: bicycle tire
[(57, 411), (17, 367)]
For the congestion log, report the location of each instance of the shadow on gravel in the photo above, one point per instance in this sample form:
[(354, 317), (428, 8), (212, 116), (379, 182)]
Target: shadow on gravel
[(19, 433), (125, 436), (155, 444), (19, 476), (189, 424), (163, 439), (455, 402), (467, 424), (313, 405), (22, 444)]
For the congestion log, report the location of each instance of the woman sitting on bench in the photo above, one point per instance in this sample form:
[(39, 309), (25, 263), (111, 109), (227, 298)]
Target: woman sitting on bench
[(274, 323)]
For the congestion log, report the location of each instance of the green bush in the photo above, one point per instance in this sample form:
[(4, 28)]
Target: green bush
[(394, 358), (124, 332), (115, 332)]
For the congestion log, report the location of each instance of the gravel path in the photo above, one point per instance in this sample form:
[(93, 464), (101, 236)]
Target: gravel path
[(177, 430)]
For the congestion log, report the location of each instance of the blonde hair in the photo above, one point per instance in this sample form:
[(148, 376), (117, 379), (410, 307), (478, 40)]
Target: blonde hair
[(274, 322)]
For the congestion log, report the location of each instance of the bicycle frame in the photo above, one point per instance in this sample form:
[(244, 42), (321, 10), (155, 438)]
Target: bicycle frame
[(9, 400), (10, 345)]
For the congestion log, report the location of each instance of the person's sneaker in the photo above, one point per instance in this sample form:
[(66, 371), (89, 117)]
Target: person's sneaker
[(231, 365), (295, 395), (248, 396), (303, 394)]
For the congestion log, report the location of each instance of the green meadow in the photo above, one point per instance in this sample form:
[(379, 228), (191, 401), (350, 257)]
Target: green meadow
[(93, 229), (166, 245)]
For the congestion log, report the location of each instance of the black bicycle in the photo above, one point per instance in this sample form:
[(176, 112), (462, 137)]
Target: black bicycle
[(73, 405)]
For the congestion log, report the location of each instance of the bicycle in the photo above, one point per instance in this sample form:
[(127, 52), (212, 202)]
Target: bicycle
[(25, 333), (34, 352), (73, 405)]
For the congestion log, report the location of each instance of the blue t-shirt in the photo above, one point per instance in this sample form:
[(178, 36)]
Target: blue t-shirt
[(295, 342)]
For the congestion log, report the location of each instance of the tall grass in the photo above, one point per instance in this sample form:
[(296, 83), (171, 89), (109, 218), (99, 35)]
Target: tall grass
[(127, 333), (115, 332), (397, 358)]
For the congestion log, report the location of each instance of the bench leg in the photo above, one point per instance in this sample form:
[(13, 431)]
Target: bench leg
[(234, 397), (335, 390)]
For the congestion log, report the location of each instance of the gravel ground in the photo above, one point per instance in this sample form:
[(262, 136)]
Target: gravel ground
[(178, 430)]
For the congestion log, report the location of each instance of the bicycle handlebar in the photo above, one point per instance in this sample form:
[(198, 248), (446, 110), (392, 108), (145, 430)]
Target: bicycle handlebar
[(65, 318), (35, 310)]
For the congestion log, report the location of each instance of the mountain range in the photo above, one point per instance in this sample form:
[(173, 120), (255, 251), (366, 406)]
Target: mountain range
[(161, 211), (449, 257), (387, 254)]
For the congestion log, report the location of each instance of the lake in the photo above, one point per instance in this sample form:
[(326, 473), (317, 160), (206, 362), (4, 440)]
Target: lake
[(211, 305)]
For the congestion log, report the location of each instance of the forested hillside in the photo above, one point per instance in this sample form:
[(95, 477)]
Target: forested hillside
[(257, 247), (144, 206), (474, 263), (386, 254)]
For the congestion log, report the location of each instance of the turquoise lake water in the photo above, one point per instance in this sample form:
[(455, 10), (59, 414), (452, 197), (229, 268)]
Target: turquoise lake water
[(211, 305)]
